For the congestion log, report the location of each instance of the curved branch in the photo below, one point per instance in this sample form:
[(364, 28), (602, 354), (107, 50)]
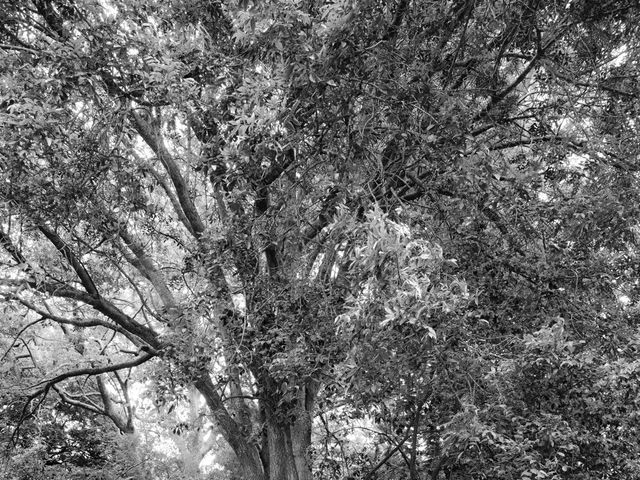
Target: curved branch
[(49, 384), (540, 51), (91, 371), (66, 398)]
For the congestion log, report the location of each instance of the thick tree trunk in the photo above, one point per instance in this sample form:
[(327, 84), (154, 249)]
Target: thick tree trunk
[(289, 443), (300, 442), (249, 460), (301, 430), (281, 464)]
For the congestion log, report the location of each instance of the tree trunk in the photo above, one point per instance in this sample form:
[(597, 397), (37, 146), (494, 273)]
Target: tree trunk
[(281, 464), (289, 442), (246, 451), (301, 430), (300, 442)]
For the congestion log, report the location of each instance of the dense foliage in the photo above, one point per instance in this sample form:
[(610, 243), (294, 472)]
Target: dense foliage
[(355, 239)]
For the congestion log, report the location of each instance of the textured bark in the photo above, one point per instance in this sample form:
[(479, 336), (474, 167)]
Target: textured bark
[(300, 442), (278, 465), (289, 442), (301, 431)]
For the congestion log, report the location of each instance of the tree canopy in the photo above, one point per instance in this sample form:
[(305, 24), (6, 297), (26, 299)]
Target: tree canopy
[(412, 219)]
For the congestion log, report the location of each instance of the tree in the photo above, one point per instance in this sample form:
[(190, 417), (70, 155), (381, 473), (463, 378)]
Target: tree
[(208, 186)]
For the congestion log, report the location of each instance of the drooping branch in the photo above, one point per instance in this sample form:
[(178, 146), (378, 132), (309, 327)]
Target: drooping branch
[(18, 335)]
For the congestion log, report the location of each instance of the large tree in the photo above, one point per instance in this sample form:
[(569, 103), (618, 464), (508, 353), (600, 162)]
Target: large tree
[(251, 195)]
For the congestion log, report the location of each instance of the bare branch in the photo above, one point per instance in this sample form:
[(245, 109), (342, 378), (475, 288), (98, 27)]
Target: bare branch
[(229, 427), (401, 9), (542, 47), (272, 174), (324, 217), (389, 454), (601, 86), (4, 46), (527, 141)]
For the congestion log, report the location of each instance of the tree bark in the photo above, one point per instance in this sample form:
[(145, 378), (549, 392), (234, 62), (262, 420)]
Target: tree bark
[(301, 430), (281, 464), (289, 441)]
